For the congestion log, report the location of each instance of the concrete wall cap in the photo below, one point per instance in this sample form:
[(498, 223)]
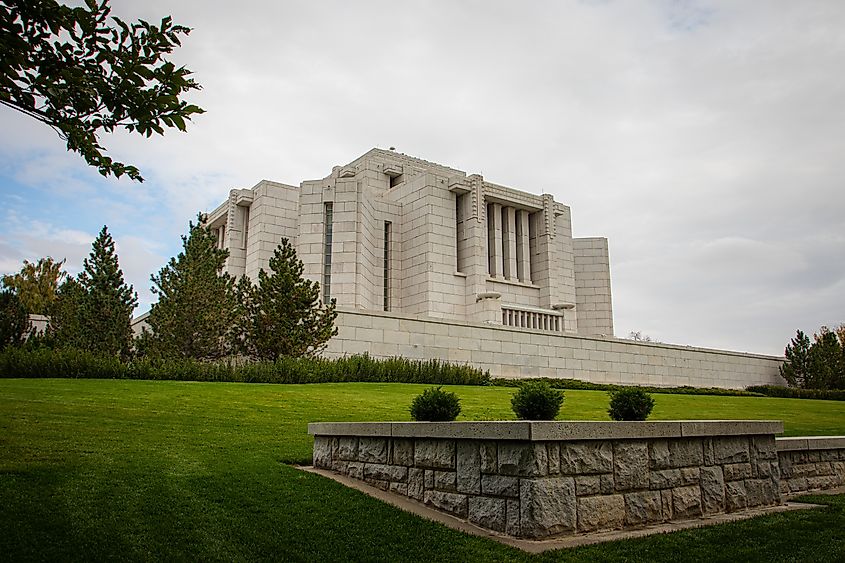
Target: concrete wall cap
[(811, 443), (548, 430), (691, 428)]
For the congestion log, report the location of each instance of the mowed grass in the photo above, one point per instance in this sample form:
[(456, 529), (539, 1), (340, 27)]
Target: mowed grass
[(142, 470)]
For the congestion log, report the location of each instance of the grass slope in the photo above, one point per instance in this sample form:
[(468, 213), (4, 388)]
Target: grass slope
[(143, 470)]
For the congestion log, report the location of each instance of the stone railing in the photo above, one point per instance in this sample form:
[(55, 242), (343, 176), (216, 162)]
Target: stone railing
[(537, 479), (811, 463), (537, 320)]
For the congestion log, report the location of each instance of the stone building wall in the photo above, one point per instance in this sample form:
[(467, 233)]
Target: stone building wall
[(453, 238), (522, 352), (536, 479)]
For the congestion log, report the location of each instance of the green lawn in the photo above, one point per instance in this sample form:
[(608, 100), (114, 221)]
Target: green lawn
[(143, 470)]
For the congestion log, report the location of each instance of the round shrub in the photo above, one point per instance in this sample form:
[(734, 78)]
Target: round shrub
[(435, 405), (536, 400), (630, 403)]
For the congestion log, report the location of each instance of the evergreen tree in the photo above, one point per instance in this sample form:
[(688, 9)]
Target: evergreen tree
[(816, 365), (282, 314), (796, 369), (65, 328), (826, 360), (14, 321), (196, 306), (107, 303)]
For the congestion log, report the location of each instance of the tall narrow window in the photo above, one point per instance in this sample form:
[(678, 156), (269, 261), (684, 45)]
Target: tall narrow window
[(327, 256), (386, 265), (491, 240), (246, 226), (460, 251)]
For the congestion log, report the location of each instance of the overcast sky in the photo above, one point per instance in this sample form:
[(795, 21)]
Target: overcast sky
[(705, 140)]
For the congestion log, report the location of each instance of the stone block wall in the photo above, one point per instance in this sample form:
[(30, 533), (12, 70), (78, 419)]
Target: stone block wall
[(521, 352), (811, 464), (532, 480)]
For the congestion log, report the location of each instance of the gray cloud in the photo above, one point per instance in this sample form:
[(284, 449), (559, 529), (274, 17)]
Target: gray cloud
[(702, 138)]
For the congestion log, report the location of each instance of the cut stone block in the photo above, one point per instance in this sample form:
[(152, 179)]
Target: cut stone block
[(403, 452), (712, 490), (547, 506), (586, 457), (605, 512), (322, 451), (685, 453), (731, 450), (453, 503), (686, 502), (643, 508), (347, 448), (630, 465), (384, 472), (415, 483), (434, 454), (499, 485), (445, 481), (488, 512), (468, 464), (372, 450), (658, 453)]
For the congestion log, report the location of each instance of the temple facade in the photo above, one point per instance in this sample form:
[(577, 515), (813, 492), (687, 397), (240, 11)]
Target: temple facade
[(393, 233)]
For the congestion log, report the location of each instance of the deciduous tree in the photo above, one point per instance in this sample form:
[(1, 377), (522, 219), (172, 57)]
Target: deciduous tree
[(36, 284), (282, 315), (84, 72)]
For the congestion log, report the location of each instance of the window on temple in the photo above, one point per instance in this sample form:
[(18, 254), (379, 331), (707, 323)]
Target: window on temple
[(327, 254), (386, 265)]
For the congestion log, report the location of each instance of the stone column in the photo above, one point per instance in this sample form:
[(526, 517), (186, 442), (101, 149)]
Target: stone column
[(523, 254), (509, 243), (494, 230)]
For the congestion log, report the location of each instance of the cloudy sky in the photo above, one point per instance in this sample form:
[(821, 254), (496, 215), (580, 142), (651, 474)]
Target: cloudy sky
[(705, 139)]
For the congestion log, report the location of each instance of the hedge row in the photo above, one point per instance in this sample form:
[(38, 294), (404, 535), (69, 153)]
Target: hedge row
[(796, 393), (70, 363), (586, 385)]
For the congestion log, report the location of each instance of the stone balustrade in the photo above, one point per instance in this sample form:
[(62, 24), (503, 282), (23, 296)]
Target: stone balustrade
[(537, 479), (537, 320)]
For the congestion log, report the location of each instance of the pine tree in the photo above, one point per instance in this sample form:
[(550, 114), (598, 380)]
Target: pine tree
[(196, 305), (65, 329), (826, 359), (14, 321), (282, 314), (796, 369), (107, 304)]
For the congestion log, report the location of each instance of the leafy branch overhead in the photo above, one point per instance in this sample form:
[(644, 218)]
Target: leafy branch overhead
[(84, 72)]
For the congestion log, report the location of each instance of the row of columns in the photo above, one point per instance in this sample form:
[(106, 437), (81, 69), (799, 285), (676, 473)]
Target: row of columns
[(508, 248)]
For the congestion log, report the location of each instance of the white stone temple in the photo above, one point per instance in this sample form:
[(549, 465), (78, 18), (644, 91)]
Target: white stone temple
[(427, 262), (389, 232)]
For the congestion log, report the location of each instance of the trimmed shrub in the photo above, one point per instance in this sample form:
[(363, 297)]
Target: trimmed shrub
[(435, 405), (566, 383), (796, 393), (630, 403), (72, 363), (536, 400)]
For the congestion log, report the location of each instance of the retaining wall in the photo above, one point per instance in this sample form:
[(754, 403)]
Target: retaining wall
[(536, 479), (520, 352), (811, 463)]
